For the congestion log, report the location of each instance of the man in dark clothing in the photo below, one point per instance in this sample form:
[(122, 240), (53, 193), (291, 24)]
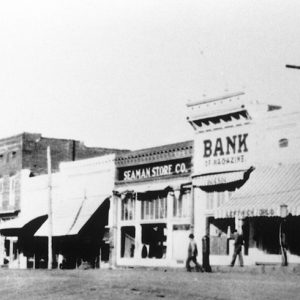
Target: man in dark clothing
[(238, 243), (192, 255)]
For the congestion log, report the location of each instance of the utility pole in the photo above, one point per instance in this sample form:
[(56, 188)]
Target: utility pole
[(292, 66), (49, 208)]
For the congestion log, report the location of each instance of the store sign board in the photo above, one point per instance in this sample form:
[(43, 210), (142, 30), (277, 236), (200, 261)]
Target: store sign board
[(153, 170), (223, 150), (218, 179), (263, 212)]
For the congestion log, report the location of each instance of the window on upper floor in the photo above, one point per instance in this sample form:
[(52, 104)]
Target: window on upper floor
[(128, 207), (13, 154), (283, 143), (182, 205), (12, 190), (215, 199), (1, 190), (155, 208), (210, 200)]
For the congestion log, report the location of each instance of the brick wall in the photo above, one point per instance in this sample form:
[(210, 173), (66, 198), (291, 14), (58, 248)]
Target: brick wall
[(29, 151), (35, 152), (10, 166)]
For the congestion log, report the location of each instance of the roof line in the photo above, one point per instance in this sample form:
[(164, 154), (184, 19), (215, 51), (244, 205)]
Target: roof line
[(215, 99)]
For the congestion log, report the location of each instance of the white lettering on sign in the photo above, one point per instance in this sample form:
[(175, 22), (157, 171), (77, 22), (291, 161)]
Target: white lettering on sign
[(156, 171)]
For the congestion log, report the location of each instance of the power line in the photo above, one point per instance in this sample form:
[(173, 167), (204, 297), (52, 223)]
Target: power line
[(292, 66)]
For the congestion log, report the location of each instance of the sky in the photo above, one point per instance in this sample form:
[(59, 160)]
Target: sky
[(119, 73)]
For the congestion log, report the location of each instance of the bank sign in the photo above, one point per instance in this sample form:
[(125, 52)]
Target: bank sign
[(154, 170), (223, 151)]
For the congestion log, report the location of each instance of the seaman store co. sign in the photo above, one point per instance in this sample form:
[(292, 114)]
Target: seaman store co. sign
[(153, 170)]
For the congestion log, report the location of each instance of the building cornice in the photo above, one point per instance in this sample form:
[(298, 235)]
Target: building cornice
[(156, 154)]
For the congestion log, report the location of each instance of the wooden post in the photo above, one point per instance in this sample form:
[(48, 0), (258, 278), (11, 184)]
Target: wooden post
[(49, 209), (192, 209)]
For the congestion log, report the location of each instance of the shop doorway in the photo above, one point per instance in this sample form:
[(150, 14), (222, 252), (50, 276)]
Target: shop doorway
[(127, 241), (154, 241)]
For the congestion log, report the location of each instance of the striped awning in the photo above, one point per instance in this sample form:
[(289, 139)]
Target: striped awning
[(218, 178), (68, 218), (266, 190), (149, 186), (13, 227)]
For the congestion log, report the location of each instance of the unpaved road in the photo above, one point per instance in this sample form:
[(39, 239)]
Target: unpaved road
[(147, 284)]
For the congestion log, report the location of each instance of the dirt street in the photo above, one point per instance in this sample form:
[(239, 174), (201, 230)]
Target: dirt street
[(149, 284)]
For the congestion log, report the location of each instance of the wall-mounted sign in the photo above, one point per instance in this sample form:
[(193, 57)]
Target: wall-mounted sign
[(158, 169), (223, 150), (217, 179), (243, 213)]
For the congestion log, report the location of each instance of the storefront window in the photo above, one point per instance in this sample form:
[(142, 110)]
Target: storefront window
[(128, 208), (154, 208)]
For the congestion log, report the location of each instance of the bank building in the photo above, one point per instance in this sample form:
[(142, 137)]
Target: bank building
[(246, 177)]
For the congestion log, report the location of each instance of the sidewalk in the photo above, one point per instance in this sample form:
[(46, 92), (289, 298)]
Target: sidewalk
[(259, 269), (254, 269)]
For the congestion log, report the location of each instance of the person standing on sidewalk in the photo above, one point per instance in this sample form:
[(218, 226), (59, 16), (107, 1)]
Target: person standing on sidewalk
[(238, 243), (192, 255)]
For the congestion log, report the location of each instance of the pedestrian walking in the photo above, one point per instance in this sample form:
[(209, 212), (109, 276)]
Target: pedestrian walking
[(192, 255), (238, 243), (60, 261)]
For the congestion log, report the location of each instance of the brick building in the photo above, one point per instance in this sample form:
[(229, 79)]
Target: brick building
[(28, 151)]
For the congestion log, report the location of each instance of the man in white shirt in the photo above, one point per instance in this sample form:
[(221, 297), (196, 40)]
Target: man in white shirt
[(192, 255)]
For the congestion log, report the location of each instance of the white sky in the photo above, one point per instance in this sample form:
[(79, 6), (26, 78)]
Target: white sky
[(119, 73)]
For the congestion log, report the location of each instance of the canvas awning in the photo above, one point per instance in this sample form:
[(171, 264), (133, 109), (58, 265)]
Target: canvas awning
[(69, 218), (147, 190), (145, 186), (13, 227), (218, 178), (265, 191)]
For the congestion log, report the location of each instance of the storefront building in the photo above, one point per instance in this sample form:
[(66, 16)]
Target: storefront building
[(245, 171), (18, 247), (81, 193), (153, 207)]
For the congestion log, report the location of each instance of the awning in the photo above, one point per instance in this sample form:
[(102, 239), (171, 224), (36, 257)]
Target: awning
[(264, 192), (69, 218), (149, 186), (218, 178), (14, 227)]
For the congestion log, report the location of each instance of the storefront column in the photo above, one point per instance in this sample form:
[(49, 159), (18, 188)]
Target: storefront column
[(170, 202), (11, 252), (238, 223), (113, 243), (200, 216), (192, 209), (138, 230), (2, 249)]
